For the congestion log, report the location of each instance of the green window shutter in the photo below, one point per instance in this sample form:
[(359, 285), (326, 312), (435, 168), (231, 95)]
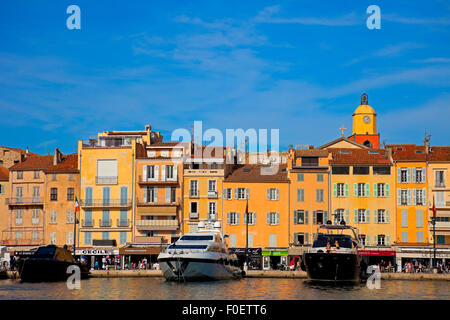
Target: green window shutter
[(367, 189), (268, 218), (355, 216), (238, 217), (375, 217), (388, 218), (306, 237), (386, 189), (375, 240), (346, 190), (334, 190), (409, 196), (295, 217), (355, 189), (268, 193), (399, 175), (278, 218), (367, 240), (306, 217), (414, 199), (314, 217), (346, 218), (388, 240), (228, 218), (326, 216), (375, 190), (367, 216)]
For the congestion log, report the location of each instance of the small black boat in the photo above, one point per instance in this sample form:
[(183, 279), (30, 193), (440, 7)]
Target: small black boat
[(49, 263), (334, 255)]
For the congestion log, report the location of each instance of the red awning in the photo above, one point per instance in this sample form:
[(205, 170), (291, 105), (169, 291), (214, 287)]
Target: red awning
[(378, 253)]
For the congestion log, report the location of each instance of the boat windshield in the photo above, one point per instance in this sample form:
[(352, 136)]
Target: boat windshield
[(186, 246), (45, 252), (196, 238), (344, 241)]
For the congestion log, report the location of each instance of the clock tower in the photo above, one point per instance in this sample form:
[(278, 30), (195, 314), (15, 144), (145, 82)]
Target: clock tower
[(365, 125)]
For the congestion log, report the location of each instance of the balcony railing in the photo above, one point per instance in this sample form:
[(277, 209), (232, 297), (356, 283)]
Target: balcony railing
[(106, 180), (102, 203), (212, 194), (87, 223), (123, 222), (104, 222), (24, 201), (22, 242), (159, 203), (193, 215), (143, 180), (157, 224)]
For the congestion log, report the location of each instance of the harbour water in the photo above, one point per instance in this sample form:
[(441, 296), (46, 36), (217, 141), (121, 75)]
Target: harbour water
[(244, 289)]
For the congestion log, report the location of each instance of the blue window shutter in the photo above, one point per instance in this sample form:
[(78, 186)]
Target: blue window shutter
[(314, 217), (306, 217)]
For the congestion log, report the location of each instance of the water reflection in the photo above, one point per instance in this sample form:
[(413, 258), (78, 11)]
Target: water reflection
[(244, 289)]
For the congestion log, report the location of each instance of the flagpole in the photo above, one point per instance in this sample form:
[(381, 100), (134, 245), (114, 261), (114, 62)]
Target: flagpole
[(75, 227), (246, 236), (434, 233)]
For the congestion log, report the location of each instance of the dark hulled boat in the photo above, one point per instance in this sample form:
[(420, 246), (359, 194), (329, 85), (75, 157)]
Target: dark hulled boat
[(49, 263), (334, 255)]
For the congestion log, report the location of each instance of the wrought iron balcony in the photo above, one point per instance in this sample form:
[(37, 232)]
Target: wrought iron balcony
[(105, 203), (87, 223), (143, 180), (212, 194), (104, 222), (106, 180), (123, 222), (25, 201)]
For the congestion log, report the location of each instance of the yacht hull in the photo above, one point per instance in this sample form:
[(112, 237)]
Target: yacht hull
[(333, 267), (192, 269), (47, 270)]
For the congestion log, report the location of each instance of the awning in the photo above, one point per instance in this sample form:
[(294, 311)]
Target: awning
[(377, 253), (275, 252), (139, 251), (157, 211)]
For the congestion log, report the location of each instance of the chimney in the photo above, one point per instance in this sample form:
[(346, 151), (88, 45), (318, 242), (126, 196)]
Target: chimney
[(311, 147), (57, 157), (28, 150)]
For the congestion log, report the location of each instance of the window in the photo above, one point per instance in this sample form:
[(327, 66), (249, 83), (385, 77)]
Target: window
[(381, 240), (300, 217), (339, 216), (381, 215), (418, 176), (149, 172), (380, 187), (87, 237), (123, 237), (272, 240), (340, 189), (71, 177), (35, 216), (362, 239), (300, 177), (150, 195), (419, 219), (440, 198), (212, 186), (107, 171), (300, 195), (18, 235), (105, 235), (53, 218), (361, 170), (70, 194), (251, 218), (419, 235), (273, 218), (54, 177), (404, 217), (34, 235), (361, 215), (319, 195), (241, 193), (52, 237), (233, 218), (54, 194), (227, 194), (318, 217), (300, 238), (165, 154), (69, 237), (194, 211), (106, 222), (361, 189), (2, 189), (19, 175), (404, 236), (19, 219), (419, 197), (36, 192), (340, 170), (382, 170), (193, 188), (404, 175), (212, 211), (320, 177), (310, 161), (404, 197), (273, 194), (439, 179), (169, 172), (70, 216)]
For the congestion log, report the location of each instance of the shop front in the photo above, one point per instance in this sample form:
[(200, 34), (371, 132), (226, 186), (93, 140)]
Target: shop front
[(254, 257), (275, 259), (139, 257), (99, 258), (411, 259), (385, 259)]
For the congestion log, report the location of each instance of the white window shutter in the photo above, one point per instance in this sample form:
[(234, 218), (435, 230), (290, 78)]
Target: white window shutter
[(414, 174), (424, 175), (156, 193), (175, 172), (409, 196), (228, 218), (399, 175), (163, 173), (144, 173), (268, 218), (399, 197), (156, 173), (268, 193), (278, 194), (408, 175), (247, 193), (236, 193), (278, 218), (414, 197), (168, 194), (145, 194)]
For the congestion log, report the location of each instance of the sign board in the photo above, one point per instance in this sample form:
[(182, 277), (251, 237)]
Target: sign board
[(377, 253), (275, 253), (96, 252)]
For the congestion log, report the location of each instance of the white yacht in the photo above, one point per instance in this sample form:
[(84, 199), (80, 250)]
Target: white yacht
[(201, 255)]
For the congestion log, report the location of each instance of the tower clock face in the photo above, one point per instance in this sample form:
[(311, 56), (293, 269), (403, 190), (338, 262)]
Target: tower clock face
[(366, 119)]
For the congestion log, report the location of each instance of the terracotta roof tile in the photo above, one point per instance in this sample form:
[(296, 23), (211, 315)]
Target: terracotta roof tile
[(34, 162), (407, 152), (19, 150), (311, 153), (439, 154), (252, 173), (4, 173), (69, 163), (358, 156)]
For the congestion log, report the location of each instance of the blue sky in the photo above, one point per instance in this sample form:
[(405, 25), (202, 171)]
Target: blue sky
[(297, 66)]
